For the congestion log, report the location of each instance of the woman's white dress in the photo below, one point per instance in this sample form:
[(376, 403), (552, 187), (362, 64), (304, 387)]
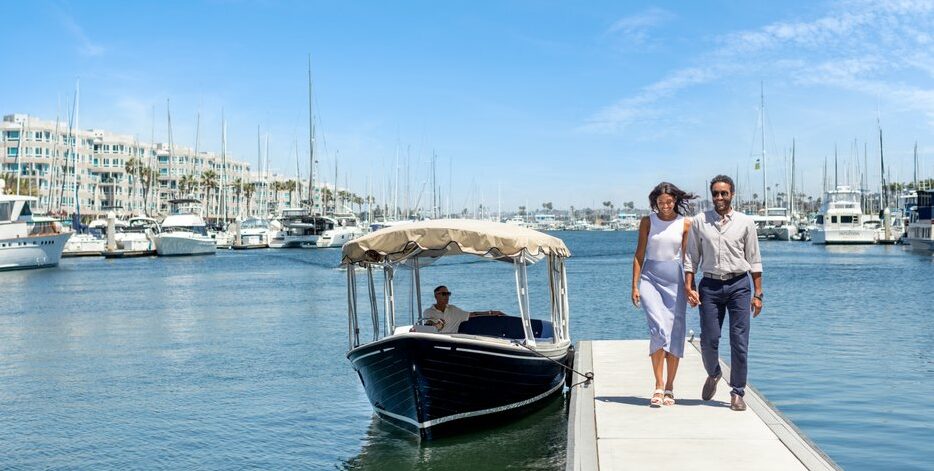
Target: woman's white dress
[(661, 286)]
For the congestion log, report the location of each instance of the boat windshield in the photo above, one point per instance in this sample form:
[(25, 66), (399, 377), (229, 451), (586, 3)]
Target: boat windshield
[(843, 197), (254, 224), (200, 230)]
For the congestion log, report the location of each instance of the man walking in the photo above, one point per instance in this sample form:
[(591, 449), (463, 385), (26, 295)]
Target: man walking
[(723, 249)]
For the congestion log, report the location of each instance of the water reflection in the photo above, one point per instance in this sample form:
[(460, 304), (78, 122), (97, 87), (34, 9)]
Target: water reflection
[(536, 441)]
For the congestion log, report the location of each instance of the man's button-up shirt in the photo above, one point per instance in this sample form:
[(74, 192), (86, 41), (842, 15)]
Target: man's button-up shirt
[(722, 245)]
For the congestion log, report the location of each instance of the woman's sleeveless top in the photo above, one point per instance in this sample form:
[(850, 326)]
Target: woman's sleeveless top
[(664, 242)]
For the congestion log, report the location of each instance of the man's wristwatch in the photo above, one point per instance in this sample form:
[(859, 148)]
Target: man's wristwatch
[(759, 296)]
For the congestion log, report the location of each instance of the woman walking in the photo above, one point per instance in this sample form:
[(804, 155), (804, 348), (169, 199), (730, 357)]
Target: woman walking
[(658, 283)]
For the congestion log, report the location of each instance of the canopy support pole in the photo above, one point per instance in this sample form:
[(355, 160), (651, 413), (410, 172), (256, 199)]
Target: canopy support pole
[(353, 328), (389, 300), (565, 308), (374, 309), (418, 288), (522, 291), (554, 289)]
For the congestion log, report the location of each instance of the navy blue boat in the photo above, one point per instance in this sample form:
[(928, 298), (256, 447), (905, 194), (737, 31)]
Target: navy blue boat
[(493, 368)]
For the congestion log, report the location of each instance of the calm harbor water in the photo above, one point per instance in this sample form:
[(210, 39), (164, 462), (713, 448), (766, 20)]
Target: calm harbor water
[(237, 360)]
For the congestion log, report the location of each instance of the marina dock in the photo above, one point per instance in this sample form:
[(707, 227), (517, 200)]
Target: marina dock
[(612, 427)]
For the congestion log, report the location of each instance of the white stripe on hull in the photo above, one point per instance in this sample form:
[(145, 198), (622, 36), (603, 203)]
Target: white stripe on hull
[(465, 415)]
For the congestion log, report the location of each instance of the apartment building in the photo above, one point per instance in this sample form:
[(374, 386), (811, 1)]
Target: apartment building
[(99, 170)]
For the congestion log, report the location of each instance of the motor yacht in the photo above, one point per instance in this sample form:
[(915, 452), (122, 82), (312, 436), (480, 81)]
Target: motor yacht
[(841, 220), (184, 232), (920, 223), (26, 240), (346, 228), (251, 233)]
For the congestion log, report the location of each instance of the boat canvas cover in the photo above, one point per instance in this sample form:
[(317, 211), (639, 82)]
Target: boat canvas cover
[(442, 237)]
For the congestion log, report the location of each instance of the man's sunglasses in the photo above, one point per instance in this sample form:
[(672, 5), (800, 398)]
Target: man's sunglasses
[(445, 293), (719, 193)]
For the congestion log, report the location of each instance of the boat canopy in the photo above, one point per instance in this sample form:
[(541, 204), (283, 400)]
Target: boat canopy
[(437, 238)]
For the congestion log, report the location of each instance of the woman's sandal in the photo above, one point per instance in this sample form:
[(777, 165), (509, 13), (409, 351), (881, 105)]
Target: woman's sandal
[(669, 399), (657, 398)]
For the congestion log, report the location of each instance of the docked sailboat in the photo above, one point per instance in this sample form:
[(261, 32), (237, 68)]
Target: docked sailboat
[(28, 241), (432, 383), (775, 224), (841, 220), (184, 231)]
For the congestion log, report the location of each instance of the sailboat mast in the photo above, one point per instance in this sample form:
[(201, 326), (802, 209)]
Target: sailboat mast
[(223, 191), (793, 189), (765, 186), (311, 143), (74, 153), (885, 192), (168, 112), (259, 165), (298, 175)]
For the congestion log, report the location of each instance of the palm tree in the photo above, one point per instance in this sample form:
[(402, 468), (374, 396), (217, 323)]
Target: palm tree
[(9, 180), (290, 186), (187, 183), (326, 195), (132, 168), (147, 177), (209, 182), (237, 186), (248, 191)]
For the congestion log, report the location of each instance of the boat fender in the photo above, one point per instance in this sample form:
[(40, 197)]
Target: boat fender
[(569, 363)]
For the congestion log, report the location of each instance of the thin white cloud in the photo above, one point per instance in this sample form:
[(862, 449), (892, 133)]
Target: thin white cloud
[(633, 31), (855, 47), (85, 45)]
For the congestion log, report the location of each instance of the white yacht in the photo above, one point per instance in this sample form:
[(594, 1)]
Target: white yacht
[(628, 222), (346, 229), (28, 241), (253, 234), (137, 235), (184, 231), (840, 220), (921, 223), (298, 228), (775, 224)]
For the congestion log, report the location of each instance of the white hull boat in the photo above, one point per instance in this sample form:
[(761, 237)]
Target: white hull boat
[(27, 241), (184, 232), (184, 243)]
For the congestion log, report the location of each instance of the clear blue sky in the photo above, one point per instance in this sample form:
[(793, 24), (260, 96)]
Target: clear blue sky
[(569, 102)]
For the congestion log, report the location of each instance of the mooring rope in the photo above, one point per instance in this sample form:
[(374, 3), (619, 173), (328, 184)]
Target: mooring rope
[(588, 376)]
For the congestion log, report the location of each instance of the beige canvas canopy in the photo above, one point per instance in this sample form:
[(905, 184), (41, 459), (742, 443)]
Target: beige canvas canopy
[(452, 237)]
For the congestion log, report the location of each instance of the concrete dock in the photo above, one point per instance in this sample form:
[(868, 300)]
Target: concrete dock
[(612, 427)]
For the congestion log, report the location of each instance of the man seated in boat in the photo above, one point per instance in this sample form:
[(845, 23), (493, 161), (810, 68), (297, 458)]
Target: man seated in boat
[(447, 317)]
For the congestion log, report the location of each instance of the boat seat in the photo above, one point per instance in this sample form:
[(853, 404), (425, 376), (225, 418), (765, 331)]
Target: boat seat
[(508, 327)]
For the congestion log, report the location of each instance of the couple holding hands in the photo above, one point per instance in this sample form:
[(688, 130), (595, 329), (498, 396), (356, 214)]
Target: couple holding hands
[(719, 247)]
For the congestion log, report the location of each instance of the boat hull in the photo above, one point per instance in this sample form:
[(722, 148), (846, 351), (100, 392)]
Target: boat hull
[(433, 385), (170, 244), (821, 236), (23, 253), (921, 245)]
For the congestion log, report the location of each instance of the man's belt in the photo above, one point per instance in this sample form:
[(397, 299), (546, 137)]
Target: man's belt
[(723, 277)]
